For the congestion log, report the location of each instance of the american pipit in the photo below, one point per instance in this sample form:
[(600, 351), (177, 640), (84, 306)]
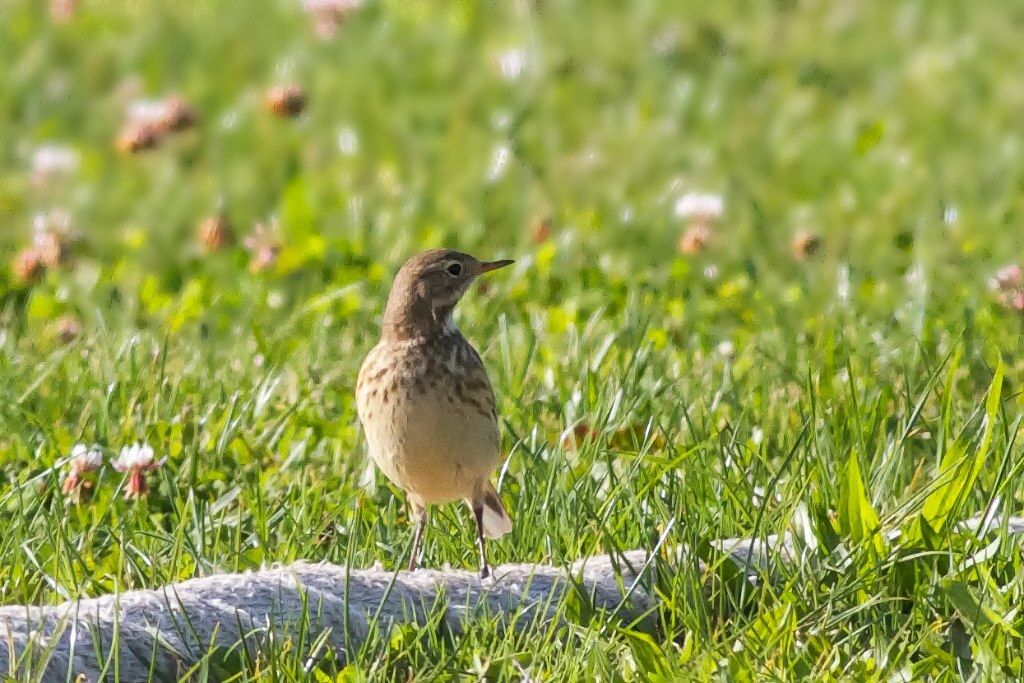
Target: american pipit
[(425, 402)]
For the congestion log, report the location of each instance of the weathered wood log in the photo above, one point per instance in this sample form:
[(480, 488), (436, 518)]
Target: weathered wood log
[(167, 631)]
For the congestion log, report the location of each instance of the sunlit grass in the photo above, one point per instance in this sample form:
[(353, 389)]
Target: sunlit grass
[(865, 396)]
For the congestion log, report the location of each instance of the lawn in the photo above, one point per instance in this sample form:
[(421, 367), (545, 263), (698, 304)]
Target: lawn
[(755, 247)]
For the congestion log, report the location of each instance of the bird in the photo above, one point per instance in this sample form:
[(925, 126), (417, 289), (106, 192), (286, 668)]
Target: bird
[(425, 402)]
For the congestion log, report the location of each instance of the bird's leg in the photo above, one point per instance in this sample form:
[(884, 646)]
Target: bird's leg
[(478, 512), (421, 524)]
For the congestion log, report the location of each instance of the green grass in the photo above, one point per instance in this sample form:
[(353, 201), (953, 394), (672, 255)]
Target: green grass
[(725, 402)]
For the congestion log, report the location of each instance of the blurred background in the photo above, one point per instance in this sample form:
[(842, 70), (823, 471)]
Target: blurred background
[(161, 163)]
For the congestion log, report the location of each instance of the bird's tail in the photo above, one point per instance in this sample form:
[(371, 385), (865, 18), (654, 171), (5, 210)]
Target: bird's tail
[(497, 523)]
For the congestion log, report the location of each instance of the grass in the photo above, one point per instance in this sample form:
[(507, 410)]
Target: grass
[(873, 386)]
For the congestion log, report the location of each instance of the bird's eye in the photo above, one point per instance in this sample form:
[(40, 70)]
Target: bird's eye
[(454, 269)]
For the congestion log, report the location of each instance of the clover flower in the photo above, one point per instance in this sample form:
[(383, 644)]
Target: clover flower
[(136, 460), (82, 459)]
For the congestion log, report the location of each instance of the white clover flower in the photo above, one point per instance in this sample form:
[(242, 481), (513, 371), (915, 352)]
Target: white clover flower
[(136, 456), (328, 15), (348, 141), (1008, 284), (85, 458), (81, 459), (136, 460), (52, 160), (695, 205), (330, 5), (149, 112), (44, 225), (843, 284), (1007, 277), (512, 63)]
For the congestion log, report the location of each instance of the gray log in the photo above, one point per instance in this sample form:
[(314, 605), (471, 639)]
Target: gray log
[(168, 631)]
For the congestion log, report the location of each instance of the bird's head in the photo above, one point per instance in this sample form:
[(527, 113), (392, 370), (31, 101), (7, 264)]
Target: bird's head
[(426, 290)]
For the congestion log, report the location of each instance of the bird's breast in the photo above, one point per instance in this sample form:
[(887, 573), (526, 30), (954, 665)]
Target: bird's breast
[(429, 416)]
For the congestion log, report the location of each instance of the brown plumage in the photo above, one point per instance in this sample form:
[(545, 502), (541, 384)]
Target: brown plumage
[(425, 401)]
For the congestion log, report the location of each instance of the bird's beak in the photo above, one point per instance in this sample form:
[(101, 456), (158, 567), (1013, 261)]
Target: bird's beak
[(488, 266)]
